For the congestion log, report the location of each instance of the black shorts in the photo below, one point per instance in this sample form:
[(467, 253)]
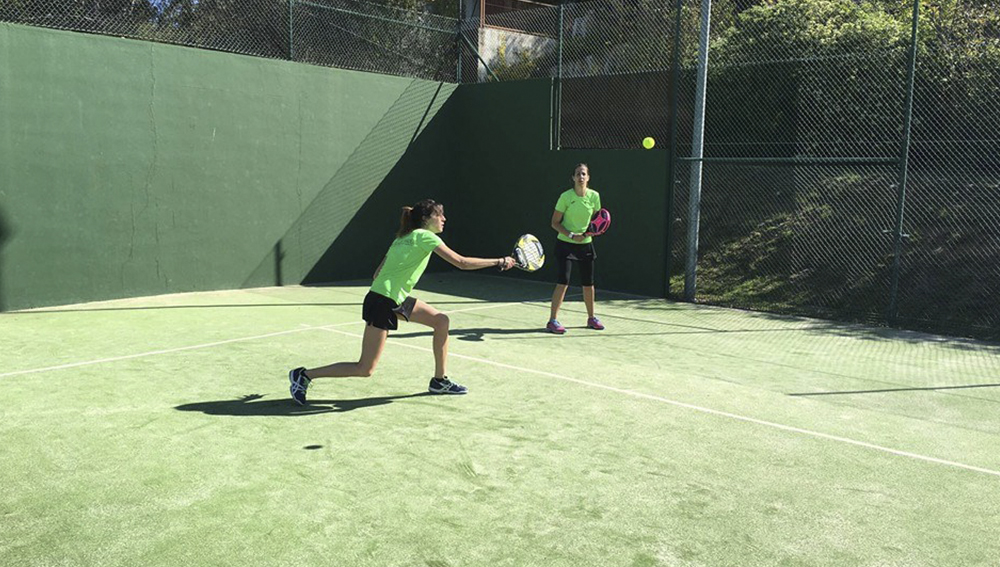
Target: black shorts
[(582, 254), (381, 312)]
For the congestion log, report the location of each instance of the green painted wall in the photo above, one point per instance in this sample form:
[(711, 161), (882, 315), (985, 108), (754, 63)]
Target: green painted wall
[(132, 168)]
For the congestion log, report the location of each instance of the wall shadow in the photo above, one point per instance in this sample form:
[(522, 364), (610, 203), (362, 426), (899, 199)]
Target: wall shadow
[(326, 241), (4, 235), (425, 171)]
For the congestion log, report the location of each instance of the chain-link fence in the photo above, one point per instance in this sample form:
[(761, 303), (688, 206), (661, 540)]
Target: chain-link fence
[(949, 274), (512, 41), (359, 35), (341, 33), (821, 193), (803, 125), (817, 199)]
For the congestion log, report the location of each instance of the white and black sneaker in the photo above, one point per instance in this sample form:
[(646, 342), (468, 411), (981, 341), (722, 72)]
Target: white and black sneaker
[(446, 386), (300, 383)]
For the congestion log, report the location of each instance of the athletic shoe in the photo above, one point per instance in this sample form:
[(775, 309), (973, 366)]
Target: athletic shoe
[(445, 386), (555, 327), (300, 383), (595, 324)]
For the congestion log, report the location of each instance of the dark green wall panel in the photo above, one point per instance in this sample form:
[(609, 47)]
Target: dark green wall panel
[(132, 168), (509, 181)]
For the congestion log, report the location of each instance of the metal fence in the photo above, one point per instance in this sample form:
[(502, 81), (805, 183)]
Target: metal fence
[(342, 33), (850, 166)]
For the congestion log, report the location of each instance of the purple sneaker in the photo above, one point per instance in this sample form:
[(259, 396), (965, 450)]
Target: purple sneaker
[(554, 327), (595, 324)]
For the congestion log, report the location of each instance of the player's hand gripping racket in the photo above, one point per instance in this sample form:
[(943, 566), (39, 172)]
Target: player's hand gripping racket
[(599, 223), (528, 253)]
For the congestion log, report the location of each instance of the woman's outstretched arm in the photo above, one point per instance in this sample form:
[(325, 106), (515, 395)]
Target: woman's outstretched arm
[(470, 263)]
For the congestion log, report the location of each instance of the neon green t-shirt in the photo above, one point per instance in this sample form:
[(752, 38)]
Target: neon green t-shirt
[(405, 262), (577, 212)]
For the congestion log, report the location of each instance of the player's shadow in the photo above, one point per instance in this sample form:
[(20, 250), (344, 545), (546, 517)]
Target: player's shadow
[(474, 334), (256, 405)]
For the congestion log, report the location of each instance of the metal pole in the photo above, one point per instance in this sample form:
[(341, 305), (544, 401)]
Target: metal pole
[(559, 73), (904, 165), (697, 152), (675, 78), (480, 58), (458, 44), (291, 45), (552, 113)]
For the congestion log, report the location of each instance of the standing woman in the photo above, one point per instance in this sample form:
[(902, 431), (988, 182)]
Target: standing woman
[(389, 299), (574, 210)]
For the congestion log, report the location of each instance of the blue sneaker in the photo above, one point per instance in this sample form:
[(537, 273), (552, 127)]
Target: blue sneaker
[(300, 383), (445, 386)]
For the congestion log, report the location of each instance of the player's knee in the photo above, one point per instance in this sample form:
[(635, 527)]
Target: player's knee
[(442, 322), (366, 370)]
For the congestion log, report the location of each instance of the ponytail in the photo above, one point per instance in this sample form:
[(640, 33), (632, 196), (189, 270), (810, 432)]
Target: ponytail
[(405, 223), (415, 216)]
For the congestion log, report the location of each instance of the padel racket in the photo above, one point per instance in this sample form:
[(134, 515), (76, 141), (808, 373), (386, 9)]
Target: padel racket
[(599, 223), (528, 253)]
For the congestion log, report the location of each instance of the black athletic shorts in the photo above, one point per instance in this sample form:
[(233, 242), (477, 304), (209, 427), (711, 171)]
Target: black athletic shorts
[(582, 254), (381, 312)]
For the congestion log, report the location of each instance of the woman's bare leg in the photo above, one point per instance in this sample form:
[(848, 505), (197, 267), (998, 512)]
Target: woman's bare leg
[(557, 300), (372, 345), (588, 299), (427, 315)]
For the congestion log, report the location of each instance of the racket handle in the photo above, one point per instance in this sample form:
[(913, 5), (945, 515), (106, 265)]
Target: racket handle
[(502, 264), (518, 258)]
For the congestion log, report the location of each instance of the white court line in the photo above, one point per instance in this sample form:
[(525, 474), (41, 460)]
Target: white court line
[(164, 351), (702, 409), (207, 345)]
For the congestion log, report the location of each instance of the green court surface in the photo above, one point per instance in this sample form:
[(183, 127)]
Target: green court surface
[(158, 431)]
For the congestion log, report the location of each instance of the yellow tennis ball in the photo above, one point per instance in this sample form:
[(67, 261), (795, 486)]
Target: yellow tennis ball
[(648, 142)]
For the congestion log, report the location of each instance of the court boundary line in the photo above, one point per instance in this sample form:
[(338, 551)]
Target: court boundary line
[(702, 409), (223, 342), (156, 352)]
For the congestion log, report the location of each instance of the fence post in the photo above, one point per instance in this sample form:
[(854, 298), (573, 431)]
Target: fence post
[(291, 46), (675, 77), (697, 152), (458, 43), (557, 129), (904, 164)]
